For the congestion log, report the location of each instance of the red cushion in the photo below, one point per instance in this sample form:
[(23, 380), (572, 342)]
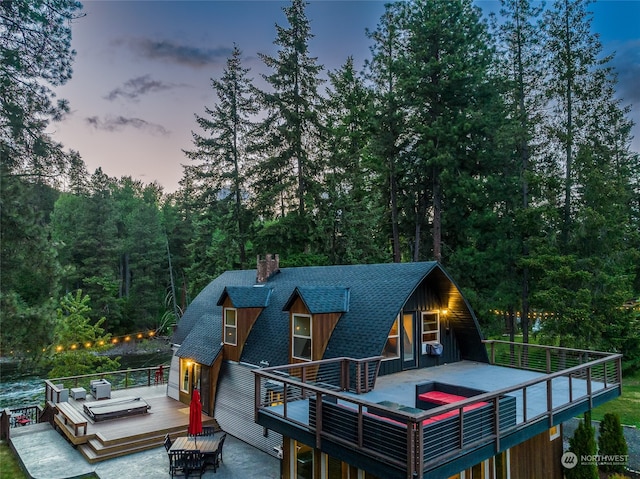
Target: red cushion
[(438, 397)]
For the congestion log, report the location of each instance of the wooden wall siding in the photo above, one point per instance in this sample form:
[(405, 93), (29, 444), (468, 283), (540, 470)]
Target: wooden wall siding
[(322, 326), (245, 319), (537, 457)]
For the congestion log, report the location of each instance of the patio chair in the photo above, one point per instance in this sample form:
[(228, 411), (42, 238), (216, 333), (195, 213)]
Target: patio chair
[(217, 458), (208, 431), (194, 463), (167, 442), (178, 462)]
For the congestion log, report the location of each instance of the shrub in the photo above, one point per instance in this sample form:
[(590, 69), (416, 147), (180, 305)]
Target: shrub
[(612, 441), (583, 443)]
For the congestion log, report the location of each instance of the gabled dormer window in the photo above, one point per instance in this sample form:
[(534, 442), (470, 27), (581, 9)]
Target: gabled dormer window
[(230, 326), (301, 337)]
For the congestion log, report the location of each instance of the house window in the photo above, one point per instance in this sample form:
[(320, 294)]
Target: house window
[(185, 367), (391, 348), (430, 327), (302, 337), (230, 326), (554, 432)]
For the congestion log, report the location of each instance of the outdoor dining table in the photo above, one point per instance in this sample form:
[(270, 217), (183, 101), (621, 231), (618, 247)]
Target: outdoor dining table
[(205, 444)]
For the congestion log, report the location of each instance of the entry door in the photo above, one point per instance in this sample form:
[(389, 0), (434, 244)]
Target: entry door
[(408, 341)]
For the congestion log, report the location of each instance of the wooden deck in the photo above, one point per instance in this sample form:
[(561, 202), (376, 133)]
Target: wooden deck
[(127, 435)]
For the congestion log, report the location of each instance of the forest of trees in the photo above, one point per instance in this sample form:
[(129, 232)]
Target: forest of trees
[(496, 146)]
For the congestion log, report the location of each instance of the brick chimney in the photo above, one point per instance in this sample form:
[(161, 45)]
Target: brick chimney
[(267, 267)]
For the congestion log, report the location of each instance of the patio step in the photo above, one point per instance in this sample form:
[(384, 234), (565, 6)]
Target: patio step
[(96, 450)]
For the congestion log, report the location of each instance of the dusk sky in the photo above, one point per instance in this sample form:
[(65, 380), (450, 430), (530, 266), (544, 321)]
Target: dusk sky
[(143, 69)]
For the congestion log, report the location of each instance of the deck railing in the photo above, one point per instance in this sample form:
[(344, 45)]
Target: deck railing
[(122, 379), (569, 377)]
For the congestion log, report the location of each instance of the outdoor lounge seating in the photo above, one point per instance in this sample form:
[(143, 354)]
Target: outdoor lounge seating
[(101, 389)]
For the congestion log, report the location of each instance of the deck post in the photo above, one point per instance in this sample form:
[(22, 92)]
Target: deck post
[(589, 387), (318, 419), (411, 453), (550, 401), (496, 408)]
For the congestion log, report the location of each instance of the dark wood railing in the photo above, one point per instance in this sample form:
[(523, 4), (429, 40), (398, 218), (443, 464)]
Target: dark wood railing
[(581, 375)]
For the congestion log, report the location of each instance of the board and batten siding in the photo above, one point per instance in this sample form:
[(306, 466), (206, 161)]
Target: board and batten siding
[(234, 408)]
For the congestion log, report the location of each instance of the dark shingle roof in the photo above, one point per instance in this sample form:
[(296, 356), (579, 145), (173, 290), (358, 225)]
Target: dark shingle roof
[(201, 351), (376, 293), (321, 299), (246, 296)]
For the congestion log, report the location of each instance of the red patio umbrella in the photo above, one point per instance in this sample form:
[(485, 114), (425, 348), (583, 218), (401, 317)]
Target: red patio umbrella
[(195, 414)]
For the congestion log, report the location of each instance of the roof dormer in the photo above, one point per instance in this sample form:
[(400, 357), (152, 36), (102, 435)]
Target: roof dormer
[(241, 306), (314, 312)]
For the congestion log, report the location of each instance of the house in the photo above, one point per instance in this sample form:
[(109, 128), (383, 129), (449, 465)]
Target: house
[(378, 371)]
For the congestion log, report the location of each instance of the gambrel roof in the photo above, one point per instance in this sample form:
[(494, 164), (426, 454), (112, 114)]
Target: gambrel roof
[(368, 296)]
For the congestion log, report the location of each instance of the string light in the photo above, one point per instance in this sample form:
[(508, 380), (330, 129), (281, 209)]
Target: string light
[(101, 343)]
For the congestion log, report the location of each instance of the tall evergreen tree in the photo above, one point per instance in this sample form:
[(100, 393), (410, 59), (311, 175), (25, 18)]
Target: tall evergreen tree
[(35, 50), (290, 167), (454, 114), (349, 206), (35, 54), (586, 259), (520, 41), (387, 118), (222, 152)]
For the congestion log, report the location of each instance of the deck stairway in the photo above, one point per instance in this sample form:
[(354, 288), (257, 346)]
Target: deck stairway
[(98, 449)]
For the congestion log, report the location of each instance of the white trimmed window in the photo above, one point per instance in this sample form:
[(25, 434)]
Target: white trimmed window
[(392, 346), (185, 375), (430, 327), (230, 326), (301, 336)]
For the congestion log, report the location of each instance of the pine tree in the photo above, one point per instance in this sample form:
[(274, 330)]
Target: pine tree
[(35, 48), (611, 441), (222, 152), (583, 443), (387, 118), (519, 41), (454, 114), (289, 169), (349, 209), (586, 260)]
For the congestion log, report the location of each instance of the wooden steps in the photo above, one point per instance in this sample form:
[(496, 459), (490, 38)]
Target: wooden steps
[(98, 449), (121, 436)]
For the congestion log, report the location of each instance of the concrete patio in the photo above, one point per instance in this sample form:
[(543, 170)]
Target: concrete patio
[(44, 454)]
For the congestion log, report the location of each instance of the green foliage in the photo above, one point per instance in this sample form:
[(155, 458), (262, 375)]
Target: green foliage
[(583, 443), (30, 269), (77, 339), (611, 441), (35, 48)]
